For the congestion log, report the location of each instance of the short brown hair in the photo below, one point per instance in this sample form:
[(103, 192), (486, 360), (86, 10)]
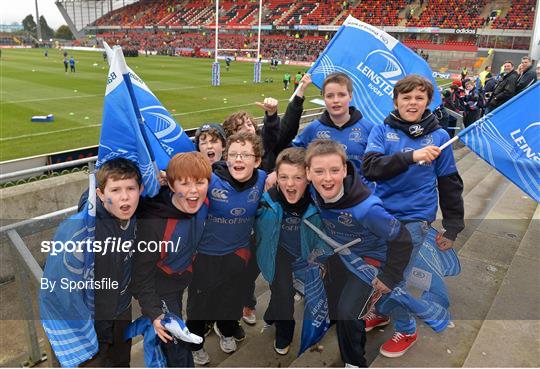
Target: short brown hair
[(235, 120), (410, 82), (292, 156), (243, 137), (339, 78), (325, 147), (188, 165), (509, 62), (117, 169)]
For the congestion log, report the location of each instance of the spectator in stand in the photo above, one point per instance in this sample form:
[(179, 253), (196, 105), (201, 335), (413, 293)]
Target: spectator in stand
[(489, 86), (471, 104), (527, 76), (483, 74), (505, 88)]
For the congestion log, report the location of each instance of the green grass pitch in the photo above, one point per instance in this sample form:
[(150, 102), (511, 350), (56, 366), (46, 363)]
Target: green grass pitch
[(32, 84)]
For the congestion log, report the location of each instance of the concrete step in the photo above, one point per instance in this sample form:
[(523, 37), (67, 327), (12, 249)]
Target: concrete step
[(485, 258), (510, 335)]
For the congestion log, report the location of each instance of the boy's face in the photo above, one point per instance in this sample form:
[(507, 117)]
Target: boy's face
[(189, 194), (120, 197), (326, 173), (242, 161), (292, 181), (246, 125), (211, 146), (337, 99), (411, 105)]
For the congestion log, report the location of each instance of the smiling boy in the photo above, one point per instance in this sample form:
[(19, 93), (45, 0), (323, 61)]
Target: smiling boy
[(176, 214), (224, 250), (350, 212), (413, 175)]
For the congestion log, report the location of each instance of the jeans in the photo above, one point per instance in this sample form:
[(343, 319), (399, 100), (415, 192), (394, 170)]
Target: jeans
[(403, 321)]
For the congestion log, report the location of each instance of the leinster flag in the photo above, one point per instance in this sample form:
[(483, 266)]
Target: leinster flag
[(122, 130), (375, 61), (509, 140), (68, 316), (165, 135), (316, 319)]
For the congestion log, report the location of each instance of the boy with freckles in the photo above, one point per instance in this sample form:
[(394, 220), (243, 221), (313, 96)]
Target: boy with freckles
[(176, 214), (220, 268)]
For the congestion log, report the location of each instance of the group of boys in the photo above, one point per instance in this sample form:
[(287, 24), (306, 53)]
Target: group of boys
[(375, 185)]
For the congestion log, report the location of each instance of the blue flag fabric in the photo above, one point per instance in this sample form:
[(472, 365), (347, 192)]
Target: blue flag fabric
[(428, 271), (166, 137), (68, 316), (153, 354), (427, 274), (316, 319), (375, 61), (122, 131), (508, 138)]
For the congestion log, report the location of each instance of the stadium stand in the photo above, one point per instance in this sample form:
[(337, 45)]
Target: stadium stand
[(519, 16), (450, 14)]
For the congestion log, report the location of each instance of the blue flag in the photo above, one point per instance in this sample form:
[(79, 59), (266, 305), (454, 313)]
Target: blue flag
[(122, 130), (316, 319), (429, 268), (68, 316), (375, 61), (165, 136), (508, 138)]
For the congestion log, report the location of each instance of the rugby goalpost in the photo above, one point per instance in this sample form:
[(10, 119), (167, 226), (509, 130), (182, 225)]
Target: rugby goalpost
[(216, 70)]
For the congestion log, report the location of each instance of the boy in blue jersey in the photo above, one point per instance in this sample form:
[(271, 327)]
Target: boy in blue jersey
[(174, 219), (118, 189), (282, 238), (340, 121), (350, 212), (235, 189), (412, 175)]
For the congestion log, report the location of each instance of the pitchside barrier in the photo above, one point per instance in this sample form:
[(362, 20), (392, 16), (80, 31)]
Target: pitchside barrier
[(19, 171)]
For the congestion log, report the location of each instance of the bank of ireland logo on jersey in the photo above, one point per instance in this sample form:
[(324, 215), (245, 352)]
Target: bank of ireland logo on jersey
[(238, 212)]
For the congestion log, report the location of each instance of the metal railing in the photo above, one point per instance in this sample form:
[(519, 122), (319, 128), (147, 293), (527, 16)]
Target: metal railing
[(28, 272)]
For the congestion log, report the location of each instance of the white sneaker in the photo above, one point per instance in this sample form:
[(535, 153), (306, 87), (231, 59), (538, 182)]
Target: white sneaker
[(201, 357), (248, 316), (227, 344), (281, 351), (347, 365)]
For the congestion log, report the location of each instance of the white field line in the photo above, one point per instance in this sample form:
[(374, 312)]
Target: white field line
[(94, 95), (3, 139)]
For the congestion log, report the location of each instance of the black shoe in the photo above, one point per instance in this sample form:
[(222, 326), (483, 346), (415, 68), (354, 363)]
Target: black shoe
[(239, 334)]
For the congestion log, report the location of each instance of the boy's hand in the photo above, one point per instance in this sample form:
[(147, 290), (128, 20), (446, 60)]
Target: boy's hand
[(162, 178), (160, 330), (271, 180), (304, 83), (379, 286), (426, 155), (269, 104), (443, 243)]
